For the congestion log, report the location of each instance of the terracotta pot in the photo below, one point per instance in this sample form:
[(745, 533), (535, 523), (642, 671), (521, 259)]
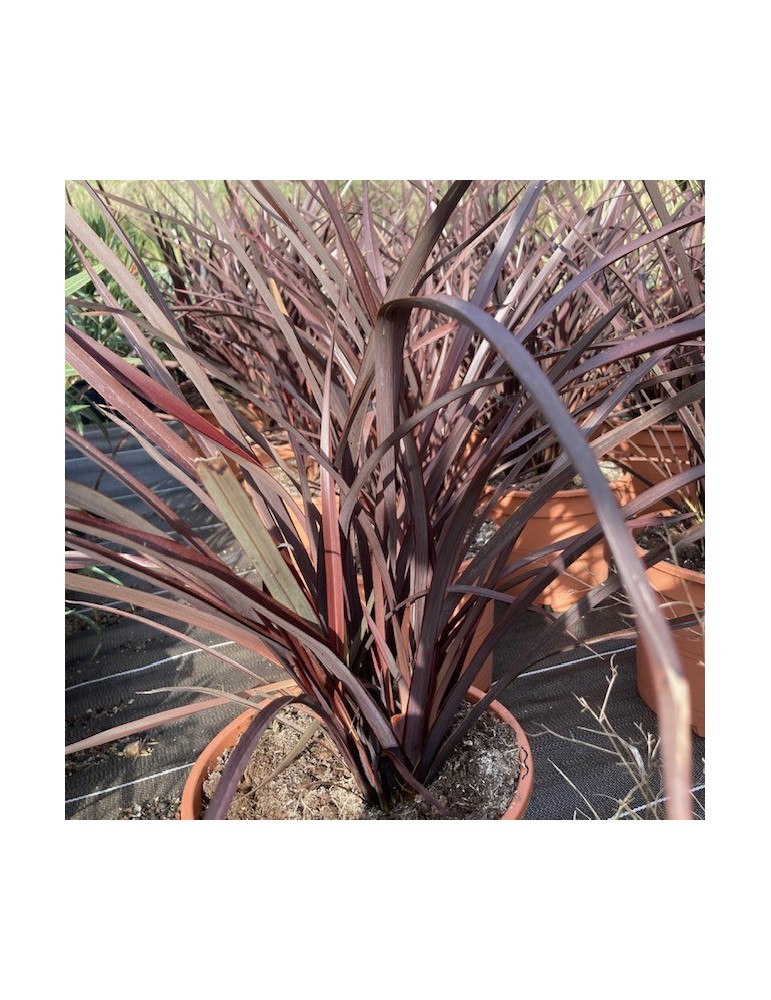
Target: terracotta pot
[(567, 513), (681, 591), (656, 454), (192, 794)]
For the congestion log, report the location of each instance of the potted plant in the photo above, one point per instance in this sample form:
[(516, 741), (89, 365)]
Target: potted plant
[(372, 607)]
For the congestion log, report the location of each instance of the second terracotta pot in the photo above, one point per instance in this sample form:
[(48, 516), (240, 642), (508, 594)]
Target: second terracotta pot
[(567, 513), (655, 454), (681, 591)]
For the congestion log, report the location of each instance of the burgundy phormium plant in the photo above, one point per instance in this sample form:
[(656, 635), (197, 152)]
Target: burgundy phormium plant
[(408, 396)]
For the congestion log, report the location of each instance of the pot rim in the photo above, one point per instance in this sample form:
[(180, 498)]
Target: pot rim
[(681, 572), (615, 484)]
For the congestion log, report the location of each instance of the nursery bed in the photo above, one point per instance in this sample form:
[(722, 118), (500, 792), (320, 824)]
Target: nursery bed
[(142, 777)]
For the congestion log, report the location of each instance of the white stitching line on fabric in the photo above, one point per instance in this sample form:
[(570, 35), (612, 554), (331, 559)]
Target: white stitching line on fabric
[(128, 784), (147, 666)]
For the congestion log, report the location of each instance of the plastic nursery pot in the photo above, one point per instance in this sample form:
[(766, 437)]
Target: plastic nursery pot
[(567, 513), (682, 591), (656, 453), (192, 794)]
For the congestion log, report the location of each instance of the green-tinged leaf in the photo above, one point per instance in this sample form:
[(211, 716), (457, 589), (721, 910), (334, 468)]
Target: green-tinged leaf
[(260, 548), (80, 280)]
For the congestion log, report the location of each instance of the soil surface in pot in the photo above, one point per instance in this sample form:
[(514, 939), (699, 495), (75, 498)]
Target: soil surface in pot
[(483, 535), (687, 557), (610, 470), (477, 782)]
